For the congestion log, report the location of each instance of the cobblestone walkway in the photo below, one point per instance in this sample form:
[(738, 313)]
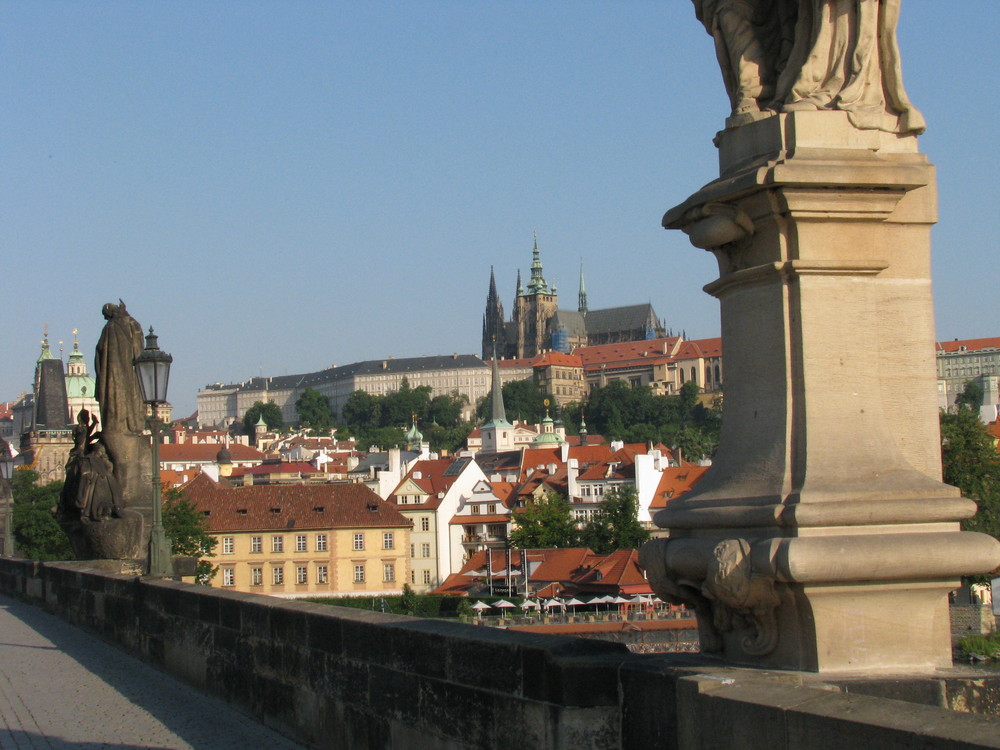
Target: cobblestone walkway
[(63, 689)]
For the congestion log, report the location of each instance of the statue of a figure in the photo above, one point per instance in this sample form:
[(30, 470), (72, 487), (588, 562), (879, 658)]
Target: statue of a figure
[(122, 409), (91, 491), (793, 55)]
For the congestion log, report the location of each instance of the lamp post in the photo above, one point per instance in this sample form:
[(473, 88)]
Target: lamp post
[(7, 498), (153, 369)]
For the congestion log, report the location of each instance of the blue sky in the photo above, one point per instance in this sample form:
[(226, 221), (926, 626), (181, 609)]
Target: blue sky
[(280, 186)]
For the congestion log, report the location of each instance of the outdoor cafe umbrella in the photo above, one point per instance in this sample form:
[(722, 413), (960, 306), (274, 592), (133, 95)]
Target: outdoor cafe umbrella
[(504, 605), (551, 603), (479, 607), (602, 600), (528, 604), (574, 603)]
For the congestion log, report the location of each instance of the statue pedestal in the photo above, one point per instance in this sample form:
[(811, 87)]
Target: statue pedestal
[(822, 537)]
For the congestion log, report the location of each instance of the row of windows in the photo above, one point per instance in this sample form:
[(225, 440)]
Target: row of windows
[(426, 576), (302, 543), (425, 550), (388, 541), (321, 574)]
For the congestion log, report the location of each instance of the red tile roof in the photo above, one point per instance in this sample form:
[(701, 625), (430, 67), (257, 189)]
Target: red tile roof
[(174, 452), (674, 482), (432, 481), (285, 467), (970, 344), (573, 570), (291, 507)]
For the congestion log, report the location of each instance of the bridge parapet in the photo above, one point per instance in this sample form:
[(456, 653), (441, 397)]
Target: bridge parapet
[(337, 677)]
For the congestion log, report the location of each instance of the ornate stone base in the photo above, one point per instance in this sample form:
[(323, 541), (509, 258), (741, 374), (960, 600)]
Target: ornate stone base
[(110, 539), (821, 538)]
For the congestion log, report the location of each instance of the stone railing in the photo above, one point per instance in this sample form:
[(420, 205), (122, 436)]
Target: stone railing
[(336, 677)]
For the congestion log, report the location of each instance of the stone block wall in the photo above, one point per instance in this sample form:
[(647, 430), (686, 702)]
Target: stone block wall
[(333, 677), (971, 619)]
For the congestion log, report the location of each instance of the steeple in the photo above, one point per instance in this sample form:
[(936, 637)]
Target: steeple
[(582, 305), (494, 332), (51, 404), (537, 285), (498, 414), (46, 351), (520, 288), (77, 365), (498, 433)]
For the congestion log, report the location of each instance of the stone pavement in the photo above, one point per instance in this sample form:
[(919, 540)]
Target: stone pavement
[(63, 689)]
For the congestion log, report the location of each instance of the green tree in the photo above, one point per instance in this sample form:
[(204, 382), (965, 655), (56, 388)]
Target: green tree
[(187, 528), (522, 399), (446, 410), (363, 411), (409, 601), (971, 395), (313, 409), (969, 461), (37, 536), (616, 523), (399, 406), (270, 412), (546, 523)]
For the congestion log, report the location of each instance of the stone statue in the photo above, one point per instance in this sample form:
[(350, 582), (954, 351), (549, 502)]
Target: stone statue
[(793, 55), (91, 491), (91, 507), (122, 409)]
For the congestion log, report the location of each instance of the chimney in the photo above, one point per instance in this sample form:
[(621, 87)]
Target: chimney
[(394, 460)]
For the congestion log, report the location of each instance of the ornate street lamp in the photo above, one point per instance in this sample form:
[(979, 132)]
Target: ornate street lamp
[(7, 498), (152, 367)]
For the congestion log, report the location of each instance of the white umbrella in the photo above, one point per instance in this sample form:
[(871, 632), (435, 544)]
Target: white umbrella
[(504, 605), (479, 606), (528, 604), (554, 603), (621, 600), (606, 599), (574, 603)]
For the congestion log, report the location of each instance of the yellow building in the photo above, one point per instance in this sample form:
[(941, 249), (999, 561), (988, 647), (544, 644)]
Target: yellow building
[(304, 540)]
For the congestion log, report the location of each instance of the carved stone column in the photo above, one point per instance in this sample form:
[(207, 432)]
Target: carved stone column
[(822, 538)]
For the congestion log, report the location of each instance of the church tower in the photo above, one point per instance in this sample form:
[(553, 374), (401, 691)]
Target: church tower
[(533, 308), (582, 304), (81, 391), (494, 331), (498, 433)]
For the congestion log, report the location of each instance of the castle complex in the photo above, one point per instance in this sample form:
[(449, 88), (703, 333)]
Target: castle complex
[(538, 325)]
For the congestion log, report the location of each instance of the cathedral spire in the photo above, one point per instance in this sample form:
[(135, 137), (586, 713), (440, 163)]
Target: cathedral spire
[(494, 333), (537, 285), (582, 306)]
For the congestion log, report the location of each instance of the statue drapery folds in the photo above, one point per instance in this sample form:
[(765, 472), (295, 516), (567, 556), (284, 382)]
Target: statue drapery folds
[(791, 55), (121, 341)]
